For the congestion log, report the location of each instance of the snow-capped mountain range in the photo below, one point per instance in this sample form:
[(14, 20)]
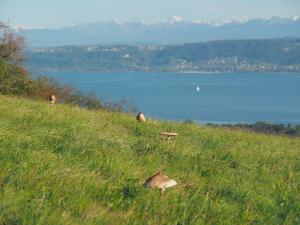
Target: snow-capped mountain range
[(174, 30)]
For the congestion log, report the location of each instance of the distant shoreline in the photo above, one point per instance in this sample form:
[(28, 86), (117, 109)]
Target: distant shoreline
[(177, 72)]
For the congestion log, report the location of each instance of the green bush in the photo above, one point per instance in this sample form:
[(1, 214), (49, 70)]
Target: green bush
[(16, 80)]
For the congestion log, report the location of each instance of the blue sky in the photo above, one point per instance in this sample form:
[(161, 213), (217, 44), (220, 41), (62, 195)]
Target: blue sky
[(57, 13)]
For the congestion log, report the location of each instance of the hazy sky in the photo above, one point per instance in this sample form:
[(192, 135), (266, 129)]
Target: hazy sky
[(56, 13)]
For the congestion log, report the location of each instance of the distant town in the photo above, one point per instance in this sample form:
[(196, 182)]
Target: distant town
[(262, 55)]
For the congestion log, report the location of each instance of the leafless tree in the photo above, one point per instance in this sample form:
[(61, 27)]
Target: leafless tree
[(11, 46)]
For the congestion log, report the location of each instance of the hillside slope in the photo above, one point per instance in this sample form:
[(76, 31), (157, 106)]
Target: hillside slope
[(66, 165)]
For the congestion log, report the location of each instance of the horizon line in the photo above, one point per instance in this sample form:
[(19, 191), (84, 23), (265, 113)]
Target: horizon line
[(171, 20)]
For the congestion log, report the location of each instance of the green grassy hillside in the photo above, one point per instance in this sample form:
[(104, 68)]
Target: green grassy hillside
[(66, 165)]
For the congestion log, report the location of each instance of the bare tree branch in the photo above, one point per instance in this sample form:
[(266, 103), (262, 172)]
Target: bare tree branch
[(11, 46)]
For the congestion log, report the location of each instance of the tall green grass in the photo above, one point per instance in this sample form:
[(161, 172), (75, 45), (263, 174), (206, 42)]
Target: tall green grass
[(66, 165)]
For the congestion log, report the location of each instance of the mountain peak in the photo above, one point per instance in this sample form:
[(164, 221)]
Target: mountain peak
[(295, 18), (168, 32), (174, 19)]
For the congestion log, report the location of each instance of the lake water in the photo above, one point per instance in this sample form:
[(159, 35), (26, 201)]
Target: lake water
[(218, 98)]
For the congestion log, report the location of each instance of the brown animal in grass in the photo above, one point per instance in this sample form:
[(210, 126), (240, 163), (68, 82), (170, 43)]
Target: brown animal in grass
[(160, 181), (140, 117), (52, 100)]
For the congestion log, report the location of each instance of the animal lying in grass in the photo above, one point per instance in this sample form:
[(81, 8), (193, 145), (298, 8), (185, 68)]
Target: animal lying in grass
[(160, 181), (52, 100), (140, 117)]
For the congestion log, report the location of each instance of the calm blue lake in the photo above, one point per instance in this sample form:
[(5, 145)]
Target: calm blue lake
[(219, 98)]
